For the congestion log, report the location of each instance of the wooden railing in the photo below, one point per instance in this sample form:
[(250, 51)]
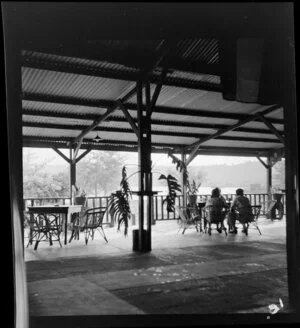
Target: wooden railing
[(159, 209)]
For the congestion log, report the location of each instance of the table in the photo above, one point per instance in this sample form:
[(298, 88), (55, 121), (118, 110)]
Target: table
[(66, 210)]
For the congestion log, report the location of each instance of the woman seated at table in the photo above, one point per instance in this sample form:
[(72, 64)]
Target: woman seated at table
[(214, 206), (241, 210)]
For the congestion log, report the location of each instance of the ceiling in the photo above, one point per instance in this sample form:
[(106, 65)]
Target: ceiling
[(70, 79)]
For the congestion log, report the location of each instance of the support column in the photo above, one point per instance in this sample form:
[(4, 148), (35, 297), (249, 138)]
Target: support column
[(145, 176), (14, 123), (269, 178), (292, 175), (184, 180), (72, 175)]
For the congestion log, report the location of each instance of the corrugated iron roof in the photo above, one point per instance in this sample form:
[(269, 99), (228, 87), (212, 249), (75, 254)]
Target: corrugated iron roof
[(67, 101), (203, 50)]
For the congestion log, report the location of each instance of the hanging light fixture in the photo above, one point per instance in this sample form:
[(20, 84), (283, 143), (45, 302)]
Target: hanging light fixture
[(97, 138)]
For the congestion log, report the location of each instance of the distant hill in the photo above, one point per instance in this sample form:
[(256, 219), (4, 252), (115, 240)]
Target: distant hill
[(249, 175)]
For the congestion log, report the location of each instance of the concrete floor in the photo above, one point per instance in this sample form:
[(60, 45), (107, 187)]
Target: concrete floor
[(192, 273)]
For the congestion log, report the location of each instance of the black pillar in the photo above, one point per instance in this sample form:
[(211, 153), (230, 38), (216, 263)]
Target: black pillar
[(184, 180), (145, 176), (14, 120), (269, 178), (292, 174), (72, 174)]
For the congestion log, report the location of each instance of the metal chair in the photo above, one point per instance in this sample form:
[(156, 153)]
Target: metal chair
[(44, 227), (249, 217), (88, 222), (215, 215), (187, 220)]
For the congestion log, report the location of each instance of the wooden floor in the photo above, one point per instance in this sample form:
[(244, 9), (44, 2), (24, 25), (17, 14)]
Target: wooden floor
[(192, 273)]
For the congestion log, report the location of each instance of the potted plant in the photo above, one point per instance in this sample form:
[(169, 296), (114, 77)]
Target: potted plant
[(79, 196), (119, 206)]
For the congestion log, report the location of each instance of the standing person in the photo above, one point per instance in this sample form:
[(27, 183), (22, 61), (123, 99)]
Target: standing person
[(242, 206)]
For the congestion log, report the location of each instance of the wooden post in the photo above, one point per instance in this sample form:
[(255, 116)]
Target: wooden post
[(183, 181), (72, 175), (269, 178), (141, 161)]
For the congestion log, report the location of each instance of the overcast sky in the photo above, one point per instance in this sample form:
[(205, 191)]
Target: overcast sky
[(157, 159)]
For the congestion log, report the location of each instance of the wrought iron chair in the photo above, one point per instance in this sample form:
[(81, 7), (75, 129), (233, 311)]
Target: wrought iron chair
[(187, 220), (44, 227), (249, 217), (215, 215), (88, 222)]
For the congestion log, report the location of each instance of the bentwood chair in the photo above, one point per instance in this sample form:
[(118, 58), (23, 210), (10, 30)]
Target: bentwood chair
[(186, 219), (249, 218), (44, 227), (89, 222), (215, 215)]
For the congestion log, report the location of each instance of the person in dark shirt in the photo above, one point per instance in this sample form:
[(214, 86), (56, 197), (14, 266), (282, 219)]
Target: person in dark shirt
[(242, 207)]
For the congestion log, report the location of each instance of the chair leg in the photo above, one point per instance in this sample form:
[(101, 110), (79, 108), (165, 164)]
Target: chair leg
[(103, 234), (256, 226), (209, 229)]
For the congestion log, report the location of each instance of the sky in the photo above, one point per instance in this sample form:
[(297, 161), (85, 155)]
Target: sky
[(157, 159)]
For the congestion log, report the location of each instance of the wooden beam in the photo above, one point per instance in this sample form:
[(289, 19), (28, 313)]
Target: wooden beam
[(262, 162), (129, 118), (155, 132), (197, 144), (157, 90), (272, 128), (110, 55), (76, 151), (165, 49), (61, 154), (83, 154), (92, 117), (132, 106), (104, 116)]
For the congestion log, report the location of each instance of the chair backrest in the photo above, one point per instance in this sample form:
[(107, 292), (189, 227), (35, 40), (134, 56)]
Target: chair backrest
[(256, 210), (182, 212), (216, 213), (94, 217)]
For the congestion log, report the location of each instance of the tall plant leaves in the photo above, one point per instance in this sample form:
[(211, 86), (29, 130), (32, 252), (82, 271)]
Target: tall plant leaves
[(173, 186), (180, 165), (118, 203)]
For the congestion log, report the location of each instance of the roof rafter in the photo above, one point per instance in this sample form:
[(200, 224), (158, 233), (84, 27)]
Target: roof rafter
[(92, 117), (29, 141), (154, 132), (132, 106), (197, 144)]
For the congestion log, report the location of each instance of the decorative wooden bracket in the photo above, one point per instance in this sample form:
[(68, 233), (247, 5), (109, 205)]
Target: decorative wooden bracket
[(129, 118), (197, 144), (61, 154)]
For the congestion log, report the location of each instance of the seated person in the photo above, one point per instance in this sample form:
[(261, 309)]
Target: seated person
[(217, 202), (240, 205)]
